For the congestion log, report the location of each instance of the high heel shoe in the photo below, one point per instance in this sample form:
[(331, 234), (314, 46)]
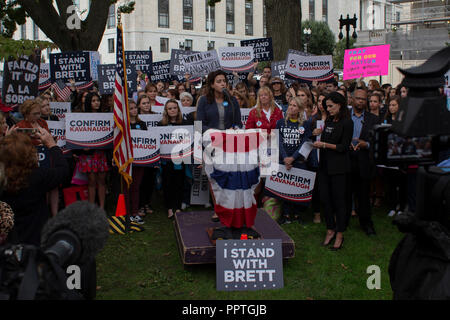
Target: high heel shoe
[(337, 248), (326, 244)]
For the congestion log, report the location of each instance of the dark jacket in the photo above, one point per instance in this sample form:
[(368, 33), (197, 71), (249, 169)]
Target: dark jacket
[(363, 160), (339, 133), (29, 204), (209, 114)]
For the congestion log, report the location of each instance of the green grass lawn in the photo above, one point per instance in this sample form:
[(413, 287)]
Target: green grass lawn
[(147, 265)]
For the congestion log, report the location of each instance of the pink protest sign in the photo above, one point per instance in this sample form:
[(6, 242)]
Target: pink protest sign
[(366, 62)]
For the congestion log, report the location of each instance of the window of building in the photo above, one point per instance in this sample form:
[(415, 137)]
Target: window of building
[(188, 45), (211, 45), (230, 16), (23, 31), (188, 15), (210, 16), (230, 44), (325, 11), (312, 10), (164, 45), (35, 31), (111, 45), (248, 17), (163, 13), (112, 16)]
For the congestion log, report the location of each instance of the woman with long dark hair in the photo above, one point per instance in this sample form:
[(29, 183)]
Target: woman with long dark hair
[(333, 167)]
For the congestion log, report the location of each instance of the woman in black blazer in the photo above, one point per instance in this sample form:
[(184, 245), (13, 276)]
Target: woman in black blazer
[(334, 165)]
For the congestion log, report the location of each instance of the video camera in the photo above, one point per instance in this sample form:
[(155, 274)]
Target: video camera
[(420, 264), (71, 239)]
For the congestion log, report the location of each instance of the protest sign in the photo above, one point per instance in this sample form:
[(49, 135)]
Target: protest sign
[(176, 142), (261, 47), (58, 131), (44, 76), (137, 61), (202, 63), (244, 115), (95, 61), (200, 187), (145, 148), (366, 62), (43, 156), (236, 59), (89, 130), (249, 265), (161, 71), (60, 109), (162, 102), (187, 110), (151, 120), (309, 68), (242, 77), (70, 65), (279, 70), (106, 78), (21, 79), (295, 185), (177, 66)]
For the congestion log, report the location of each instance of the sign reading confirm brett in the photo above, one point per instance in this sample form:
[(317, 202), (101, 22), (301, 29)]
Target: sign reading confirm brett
[(243, 265)]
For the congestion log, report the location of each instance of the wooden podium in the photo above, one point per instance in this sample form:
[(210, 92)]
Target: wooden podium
[(195, 246)]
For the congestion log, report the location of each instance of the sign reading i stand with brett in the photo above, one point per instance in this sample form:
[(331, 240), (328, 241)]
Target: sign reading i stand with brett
[(243, 265)]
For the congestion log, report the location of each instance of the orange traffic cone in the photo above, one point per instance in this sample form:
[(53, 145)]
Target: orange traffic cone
[(121, 209)]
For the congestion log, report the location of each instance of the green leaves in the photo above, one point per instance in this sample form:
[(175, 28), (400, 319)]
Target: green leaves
[(322, 40), (15, 48)]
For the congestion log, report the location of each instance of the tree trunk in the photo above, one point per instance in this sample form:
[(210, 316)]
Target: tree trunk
[(283, 22), (55, 26)]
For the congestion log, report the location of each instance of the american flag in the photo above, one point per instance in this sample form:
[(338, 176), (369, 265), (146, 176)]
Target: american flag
[(123, 151), (61, 90)]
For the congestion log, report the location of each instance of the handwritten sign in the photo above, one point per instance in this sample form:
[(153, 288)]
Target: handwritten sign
[(202, 63), (243, 265), (366, 62), (21, 79)]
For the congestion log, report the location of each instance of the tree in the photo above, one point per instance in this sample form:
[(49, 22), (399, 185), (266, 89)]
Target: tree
[(339, 51), (322, 38), (57, 23)]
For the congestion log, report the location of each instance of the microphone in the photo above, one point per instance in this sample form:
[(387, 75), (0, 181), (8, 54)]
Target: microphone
[(76, 234)]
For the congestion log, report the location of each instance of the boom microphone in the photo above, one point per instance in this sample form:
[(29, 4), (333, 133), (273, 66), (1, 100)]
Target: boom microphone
[(76, 234)]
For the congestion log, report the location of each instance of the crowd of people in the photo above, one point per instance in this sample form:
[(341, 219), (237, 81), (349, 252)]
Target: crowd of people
[(336, 116)]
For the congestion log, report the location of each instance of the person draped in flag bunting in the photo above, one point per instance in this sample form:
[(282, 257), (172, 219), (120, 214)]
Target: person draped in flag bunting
[(232, 182)]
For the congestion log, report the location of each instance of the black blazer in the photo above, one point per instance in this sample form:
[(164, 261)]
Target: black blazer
[(339, 133), (363, 160), (209, 114)]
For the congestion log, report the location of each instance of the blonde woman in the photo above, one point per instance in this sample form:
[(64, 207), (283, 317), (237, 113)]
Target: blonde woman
[(294, 131), (266, 113)]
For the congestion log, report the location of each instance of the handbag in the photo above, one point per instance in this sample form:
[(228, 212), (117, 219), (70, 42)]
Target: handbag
[(79, 178)]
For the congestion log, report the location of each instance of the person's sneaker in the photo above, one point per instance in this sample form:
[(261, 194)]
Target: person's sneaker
[(391, 213), (284, 220), (137, 219)]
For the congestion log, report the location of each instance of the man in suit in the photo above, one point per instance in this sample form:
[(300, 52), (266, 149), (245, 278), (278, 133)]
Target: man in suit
[(362, 161)]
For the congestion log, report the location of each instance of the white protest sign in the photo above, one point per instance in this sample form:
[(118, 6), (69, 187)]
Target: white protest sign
[(309, 68), (237, 59), (145, 147), (44, 76), (294, 185), (89, 130), (176, 142), (244, 115), (151, 120), (202, 63), (60, 109), (58, 131)]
